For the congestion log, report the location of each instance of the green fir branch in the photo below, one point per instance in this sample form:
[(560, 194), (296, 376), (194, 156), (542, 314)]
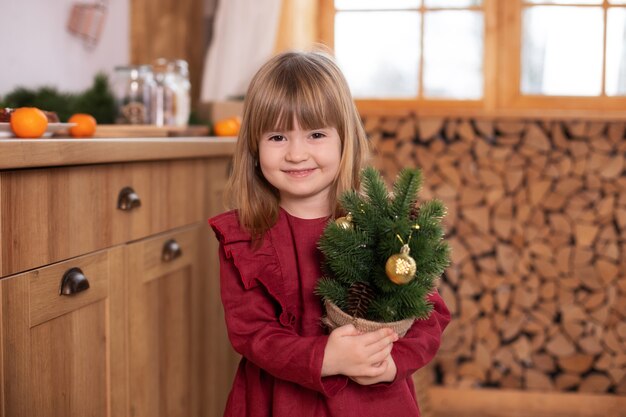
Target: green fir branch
[(376, 191), (347, 255), (405, 192), (333, 290)]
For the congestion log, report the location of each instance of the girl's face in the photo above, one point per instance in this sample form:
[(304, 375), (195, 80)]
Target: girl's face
[(302, 165)]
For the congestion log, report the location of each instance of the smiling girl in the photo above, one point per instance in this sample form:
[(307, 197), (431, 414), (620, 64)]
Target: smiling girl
[(300, 146)]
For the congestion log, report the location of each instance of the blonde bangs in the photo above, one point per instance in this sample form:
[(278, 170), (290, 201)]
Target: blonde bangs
[(296, 92)]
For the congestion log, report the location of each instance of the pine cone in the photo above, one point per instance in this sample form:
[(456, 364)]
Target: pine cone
[(360, 296), (414, 213)]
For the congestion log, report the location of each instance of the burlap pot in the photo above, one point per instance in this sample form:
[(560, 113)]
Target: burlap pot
[(337, 318)]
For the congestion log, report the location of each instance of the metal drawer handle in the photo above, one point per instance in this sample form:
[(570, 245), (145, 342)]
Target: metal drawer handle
[(73, 282), (171, 251), (128, 199)]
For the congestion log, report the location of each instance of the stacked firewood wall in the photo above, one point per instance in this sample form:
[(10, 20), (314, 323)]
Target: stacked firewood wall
[(537, 223)]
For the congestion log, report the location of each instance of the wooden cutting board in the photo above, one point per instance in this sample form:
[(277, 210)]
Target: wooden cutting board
[(148, 131)]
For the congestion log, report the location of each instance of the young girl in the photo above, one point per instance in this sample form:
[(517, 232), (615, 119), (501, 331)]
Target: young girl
[(300, 146)]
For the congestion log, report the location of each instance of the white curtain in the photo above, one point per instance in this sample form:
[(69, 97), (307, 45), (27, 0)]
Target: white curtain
[(243, 39)]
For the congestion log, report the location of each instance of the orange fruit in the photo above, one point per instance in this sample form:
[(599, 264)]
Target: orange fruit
[(227, 127), (85, 125), (28, 122)]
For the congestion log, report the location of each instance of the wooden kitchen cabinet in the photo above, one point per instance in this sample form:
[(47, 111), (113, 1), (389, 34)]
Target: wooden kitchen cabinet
[(146, 338)]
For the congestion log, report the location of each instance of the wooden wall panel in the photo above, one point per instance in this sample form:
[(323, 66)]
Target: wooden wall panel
[(169, 29)]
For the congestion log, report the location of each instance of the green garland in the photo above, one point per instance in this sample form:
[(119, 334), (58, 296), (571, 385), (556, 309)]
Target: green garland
[(98, 100)]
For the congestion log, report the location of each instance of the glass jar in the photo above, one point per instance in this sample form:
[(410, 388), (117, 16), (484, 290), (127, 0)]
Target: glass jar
[(164, 98), (183, 92), (133, 88)]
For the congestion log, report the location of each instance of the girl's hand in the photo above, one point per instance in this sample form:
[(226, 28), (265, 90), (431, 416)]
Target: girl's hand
[(388, 376), (354, 354)]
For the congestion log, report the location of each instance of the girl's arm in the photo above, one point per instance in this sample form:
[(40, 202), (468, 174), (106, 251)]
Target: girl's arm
[(417, 348), (314, 362), (421, 343)]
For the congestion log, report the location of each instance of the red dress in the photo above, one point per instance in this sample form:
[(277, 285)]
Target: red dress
[(273, 321)]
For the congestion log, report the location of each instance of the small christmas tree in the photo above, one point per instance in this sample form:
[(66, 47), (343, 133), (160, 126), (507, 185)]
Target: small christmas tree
[(383, 258)]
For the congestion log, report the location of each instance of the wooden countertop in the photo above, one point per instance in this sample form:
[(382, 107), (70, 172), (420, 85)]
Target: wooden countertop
[(32, 153)]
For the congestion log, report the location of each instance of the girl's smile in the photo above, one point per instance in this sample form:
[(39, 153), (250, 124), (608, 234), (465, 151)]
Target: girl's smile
[(300, 172)]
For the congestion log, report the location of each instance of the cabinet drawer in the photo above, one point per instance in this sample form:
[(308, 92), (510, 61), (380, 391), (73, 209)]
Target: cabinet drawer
[(46, 300), (168, 252), (48, 215)]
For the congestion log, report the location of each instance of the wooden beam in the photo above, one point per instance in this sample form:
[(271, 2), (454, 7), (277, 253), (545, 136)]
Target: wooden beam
[(297, 28), (171, 29), (450, 402)]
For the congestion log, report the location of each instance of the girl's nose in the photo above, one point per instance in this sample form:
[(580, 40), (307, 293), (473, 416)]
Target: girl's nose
[(296, 151)]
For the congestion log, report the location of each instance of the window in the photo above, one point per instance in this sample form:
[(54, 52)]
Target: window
[(584, 54), (487, 54), (411, 48)]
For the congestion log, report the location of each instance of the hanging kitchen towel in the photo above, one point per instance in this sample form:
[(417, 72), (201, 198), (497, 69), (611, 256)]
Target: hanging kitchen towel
[(244, 38)]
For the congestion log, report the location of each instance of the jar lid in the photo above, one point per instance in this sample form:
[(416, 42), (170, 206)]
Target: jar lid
[(131, 67)]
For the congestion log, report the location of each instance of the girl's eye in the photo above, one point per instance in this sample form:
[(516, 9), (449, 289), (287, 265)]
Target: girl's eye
[(317, 135), (276, 138)]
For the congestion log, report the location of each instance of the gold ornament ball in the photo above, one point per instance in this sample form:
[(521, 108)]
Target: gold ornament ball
[(345, 222), (401, 268)]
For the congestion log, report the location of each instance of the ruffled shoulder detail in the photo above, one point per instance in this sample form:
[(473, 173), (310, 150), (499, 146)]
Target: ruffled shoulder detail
[(227, 228), (255, 265)]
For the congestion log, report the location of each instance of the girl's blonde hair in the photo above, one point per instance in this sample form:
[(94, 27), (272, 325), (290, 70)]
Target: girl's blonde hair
[(303, 86)]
